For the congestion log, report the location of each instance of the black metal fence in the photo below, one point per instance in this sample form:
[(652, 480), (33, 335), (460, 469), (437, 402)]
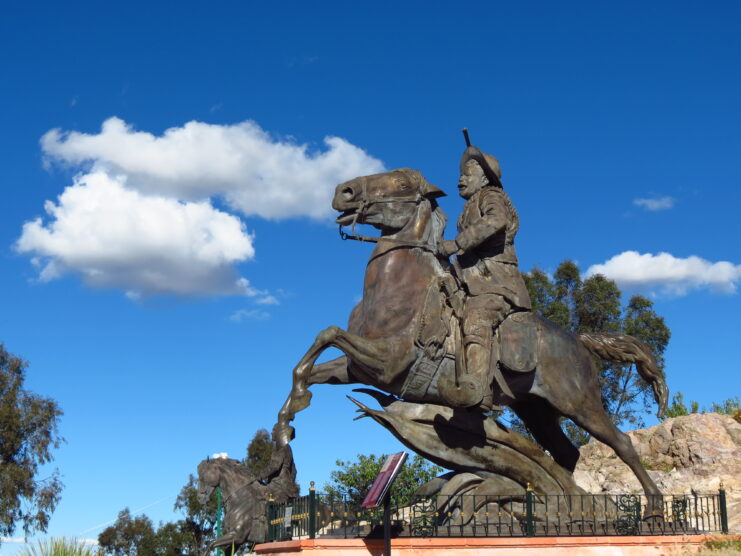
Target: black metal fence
[(529, 514)]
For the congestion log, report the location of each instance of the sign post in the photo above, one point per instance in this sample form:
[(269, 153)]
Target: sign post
[(380, 493)]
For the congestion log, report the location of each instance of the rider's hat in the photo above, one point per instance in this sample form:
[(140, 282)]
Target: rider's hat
[(488, 163)]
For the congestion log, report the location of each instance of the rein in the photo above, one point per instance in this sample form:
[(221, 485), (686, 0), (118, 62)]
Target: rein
[(364, 204)]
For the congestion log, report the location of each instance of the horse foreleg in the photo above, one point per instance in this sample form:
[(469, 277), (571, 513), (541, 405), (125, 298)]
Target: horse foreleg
[(366, 352), (331, 372)]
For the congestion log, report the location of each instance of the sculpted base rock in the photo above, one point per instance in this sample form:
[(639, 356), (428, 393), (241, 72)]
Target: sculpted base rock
[(694, 453)]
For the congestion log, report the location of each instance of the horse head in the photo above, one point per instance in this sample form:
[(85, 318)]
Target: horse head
[(209, 478), (388, 201)]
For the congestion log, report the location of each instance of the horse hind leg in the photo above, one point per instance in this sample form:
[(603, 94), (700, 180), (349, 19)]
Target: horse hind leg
[(597, 423), (542, 420)]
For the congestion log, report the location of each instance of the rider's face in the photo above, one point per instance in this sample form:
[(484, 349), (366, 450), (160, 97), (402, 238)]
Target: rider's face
[(472, 179)]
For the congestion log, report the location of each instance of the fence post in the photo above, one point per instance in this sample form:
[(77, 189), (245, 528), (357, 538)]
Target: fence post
[(529, 520), (312, 511), (723, 509), (272, 533)]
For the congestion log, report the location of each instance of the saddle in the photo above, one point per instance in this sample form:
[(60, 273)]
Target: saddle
[(514, 343), (515, 340), (517, 337)]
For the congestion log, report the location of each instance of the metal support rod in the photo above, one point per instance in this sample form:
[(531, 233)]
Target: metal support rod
[(387, 524)]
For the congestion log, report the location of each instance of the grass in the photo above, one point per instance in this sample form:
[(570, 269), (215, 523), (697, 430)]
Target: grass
[(59, 547), (722, 546)]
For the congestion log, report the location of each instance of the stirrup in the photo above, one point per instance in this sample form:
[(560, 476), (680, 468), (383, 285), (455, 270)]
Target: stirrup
[(469, 392)]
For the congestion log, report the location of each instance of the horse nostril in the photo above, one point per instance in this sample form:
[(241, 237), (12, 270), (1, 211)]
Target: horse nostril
[(348, 193)]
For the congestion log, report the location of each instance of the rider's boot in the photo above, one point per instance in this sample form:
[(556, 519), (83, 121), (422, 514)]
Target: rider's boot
[(478, 358)]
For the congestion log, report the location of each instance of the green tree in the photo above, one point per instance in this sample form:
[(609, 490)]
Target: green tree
[(594, 305), (28, 433), (259, 451), (677, 408), (198, 525), (729, 406), (352, 480), (186, 537), (129, 536)]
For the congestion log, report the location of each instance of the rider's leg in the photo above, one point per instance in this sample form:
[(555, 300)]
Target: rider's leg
[(482, 314)]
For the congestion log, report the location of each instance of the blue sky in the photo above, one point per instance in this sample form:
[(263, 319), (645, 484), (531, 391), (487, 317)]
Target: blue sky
[(168, 252)]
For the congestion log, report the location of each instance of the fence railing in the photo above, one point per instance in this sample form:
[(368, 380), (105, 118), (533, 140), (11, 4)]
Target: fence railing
[(529, 514)]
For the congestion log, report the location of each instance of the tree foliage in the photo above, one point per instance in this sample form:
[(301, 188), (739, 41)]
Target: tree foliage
[(128, 536), (137, 536), (352, 480), (259, 451), (594, 305), (28, 433), (729, 406), (677, 408)]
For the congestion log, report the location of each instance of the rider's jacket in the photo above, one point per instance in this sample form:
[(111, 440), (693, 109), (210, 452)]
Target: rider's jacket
[(486, 235)]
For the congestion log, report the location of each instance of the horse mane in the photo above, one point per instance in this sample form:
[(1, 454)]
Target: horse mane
[(430, 193)]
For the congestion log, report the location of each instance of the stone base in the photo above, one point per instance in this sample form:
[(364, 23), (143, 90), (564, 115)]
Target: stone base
[(519, 546)]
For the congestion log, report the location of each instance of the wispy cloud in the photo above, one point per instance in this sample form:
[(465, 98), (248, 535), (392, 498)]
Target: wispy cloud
[(655, 203), (267, 300), (249, 314), (668, 274), (133, 512)]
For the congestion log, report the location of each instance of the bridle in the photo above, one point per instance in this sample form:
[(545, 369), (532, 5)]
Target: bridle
[(367, 201)]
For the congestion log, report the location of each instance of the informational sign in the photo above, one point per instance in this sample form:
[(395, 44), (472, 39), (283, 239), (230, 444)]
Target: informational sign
[(288, 516), (380, 487)]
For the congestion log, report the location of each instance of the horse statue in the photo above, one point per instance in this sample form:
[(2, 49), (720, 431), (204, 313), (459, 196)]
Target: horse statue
[(402, 337), (245, 496)]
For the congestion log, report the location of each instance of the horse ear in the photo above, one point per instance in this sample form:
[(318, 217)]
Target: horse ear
[(431, 191), (426, 189)]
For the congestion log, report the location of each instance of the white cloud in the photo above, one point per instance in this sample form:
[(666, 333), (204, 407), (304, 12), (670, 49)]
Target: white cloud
[(16, 540), (116, 237), (655, 203), (140, 217), (668, 274), (241, 163)]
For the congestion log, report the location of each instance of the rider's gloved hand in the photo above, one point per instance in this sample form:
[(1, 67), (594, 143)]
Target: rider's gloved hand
[(448, 247)]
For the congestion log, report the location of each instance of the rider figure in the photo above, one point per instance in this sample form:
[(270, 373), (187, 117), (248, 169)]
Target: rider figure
[(486, 253)]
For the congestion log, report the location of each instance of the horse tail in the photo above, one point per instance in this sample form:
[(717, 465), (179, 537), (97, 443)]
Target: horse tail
[(623, 348)]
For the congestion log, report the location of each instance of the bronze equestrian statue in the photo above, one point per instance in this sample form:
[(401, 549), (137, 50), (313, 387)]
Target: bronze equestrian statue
[(245, 495), (403, 337)]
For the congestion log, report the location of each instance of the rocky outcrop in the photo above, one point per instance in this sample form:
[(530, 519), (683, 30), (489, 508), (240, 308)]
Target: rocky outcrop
[(683, 455)]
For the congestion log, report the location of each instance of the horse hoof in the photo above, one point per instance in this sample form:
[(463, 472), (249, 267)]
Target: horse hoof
[(467, 393)]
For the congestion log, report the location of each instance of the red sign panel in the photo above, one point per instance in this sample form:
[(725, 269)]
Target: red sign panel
[(386, 476)]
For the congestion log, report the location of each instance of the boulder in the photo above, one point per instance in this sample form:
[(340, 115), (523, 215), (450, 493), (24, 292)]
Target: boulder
[(683, 455)]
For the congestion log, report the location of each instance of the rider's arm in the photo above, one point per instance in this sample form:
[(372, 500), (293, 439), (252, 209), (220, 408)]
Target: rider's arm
[(493, 220)]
